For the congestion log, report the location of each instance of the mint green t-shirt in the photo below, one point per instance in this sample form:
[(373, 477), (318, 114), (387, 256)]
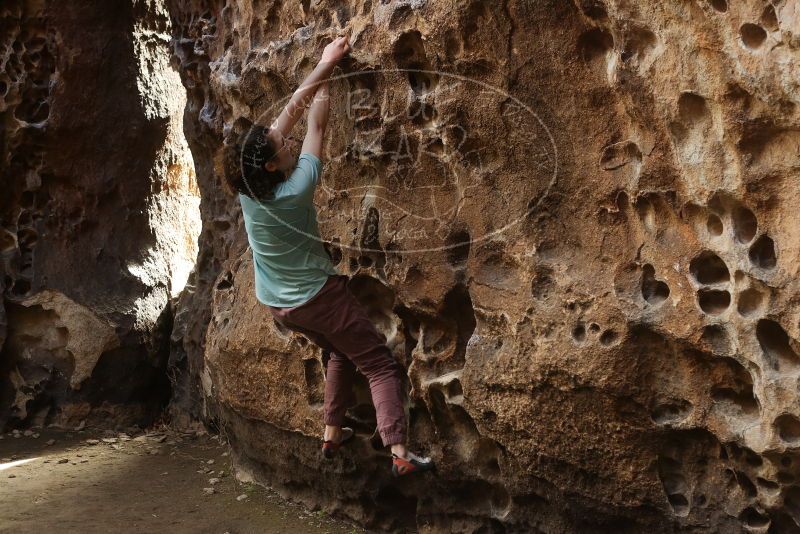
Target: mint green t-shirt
[(291, 265)]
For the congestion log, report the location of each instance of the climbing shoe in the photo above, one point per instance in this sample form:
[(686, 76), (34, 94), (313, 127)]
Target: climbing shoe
[(330, 447), (410, 464)]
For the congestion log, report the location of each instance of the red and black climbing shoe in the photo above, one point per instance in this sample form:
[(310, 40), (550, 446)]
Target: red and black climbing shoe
[(330, 447), (410, 464)]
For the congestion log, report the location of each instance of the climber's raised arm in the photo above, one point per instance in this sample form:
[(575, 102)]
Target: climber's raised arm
[(304, 94), (317, 121)]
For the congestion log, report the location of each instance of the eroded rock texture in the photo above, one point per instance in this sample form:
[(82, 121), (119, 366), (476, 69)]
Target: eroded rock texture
[(98, 211), (575, 224)]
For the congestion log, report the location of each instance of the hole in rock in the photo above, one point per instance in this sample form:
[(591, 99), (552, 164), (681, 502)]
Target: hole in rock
[(500, 497), (27, 237), (25, 218), (226, 282), (753, 518), (785, 478), (762, 253), (370, 234), (454, 389), (434, 147), (646, 212), (579, 333), (594, 328), (716, 204), (744, 401), (542, 283), (343, 15), (594, 9), (671, 412), (409, 53), (3, 88), (620, 154), (420, 82), (654, 291), (7, 241), (749, 302), (422, 114), (458, 245), (608, 338), (692, 108), (788, 427), (716, 339), (334, 251), (745, 224), (786, 461), (639, 43), (719, 5), (714, 225), (452, 45), (458, 307), (21, 288), (674, 483), (753, 35), (775, 343), (708, 268), (769, 19), (713, 301), (768, 486), (594, 43), (378, 301), (747, 486), (678, 503), (622, 201)]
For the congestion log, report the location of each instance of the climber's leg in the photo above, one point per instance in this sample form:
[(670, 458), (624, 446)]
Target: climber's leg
[(339, 380), (335, 313), (339, 373)]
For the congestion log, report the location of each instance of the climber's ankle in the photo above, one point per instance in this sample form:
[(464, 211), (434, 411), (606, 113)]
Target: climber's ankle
[(400, 450), (332, 432)]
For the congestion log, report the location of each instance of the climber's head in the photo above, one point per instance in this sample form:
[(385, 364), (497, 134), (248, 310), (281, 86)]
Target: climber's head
[(264, 158)]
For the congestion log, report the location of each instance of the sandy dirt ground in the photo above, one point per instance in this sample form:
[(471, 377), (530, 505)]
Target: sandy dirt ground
[(155, 481)]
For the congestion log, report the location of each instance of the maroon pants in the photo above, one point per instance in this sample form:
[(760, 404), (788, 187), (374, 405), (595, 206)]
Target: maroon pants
[(335, 321)]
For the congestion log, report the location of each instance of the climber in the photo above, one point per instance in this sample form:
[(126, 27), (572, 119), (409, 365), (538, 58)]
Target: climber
[(294, 275)]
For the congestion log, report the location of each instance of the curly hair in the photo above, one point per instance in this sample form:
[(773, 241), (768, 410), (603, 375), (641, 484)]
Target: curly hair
[(244, 166)]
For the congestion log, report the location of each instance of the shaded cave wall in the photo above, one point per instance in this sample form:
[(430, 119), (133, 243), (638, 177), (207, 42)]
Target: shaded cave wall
[(99, 212)]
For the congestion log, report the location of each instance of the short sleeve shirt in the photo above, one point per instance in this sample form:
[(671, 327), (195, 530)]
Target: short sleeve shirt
[(291, 264)]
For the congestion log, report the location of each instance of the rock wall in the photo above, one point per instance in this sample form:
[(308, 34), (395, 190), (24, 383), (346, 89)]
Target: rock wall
[(573, 223), (98, 213)]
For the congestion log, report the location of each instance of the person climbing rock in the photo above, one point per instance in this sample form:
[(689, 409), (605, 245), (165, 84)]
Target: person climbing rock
[(294, 275)]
